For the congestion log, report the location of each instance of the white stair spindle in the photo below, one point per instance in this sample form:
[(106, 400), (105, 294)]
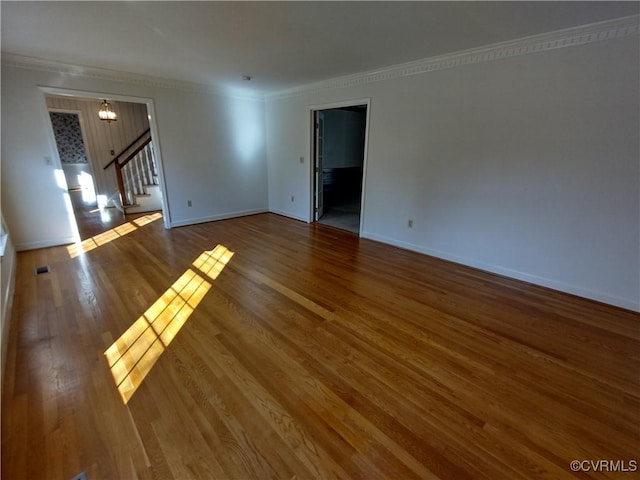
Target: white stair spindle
[(139, 175)]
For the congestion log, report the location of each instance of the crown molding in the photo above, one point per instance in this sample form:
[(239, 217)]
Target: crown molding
[(570, 37), (67, 69)]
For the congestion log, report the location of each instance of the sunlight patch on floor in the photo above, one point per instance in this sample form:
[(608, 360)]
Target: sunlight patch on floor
[(110, 235), (212, 262), (132, 356), (142, 221)]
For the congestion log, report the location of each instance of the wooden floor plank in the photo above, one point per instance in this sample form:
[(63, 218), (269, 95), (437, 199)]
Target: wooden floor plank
[(314, 354)]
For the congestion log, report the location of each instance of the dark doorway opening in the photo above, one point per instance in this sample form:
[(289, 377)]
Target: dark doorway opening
[(339, 151)]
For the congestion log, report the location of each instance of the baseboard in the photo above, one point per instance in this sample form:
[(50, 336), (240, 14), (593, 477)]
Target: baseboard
[(507, 272), (20, 247), (213, 218), (289, 215)]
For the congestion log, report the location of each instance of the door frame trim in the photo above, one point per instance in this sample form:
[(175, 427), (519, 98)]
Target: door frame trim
[(153, 125), (311, 149)]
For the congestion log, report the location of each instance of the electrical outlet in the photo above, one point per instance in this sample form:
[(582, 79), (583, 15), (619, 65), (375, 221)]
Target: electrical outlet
[(292, 198), (188, 203), (410, 223), (301, 159)]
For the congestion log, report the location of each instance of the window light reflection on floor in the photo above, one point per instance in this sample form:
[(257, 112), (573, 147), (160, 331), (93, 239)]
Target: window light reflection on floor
[(142, 221), (110, 235), (212, 262), (132, 356)]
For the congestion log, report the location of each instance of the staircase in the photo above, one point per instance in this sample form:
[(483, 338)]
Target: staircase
[(141, 187), (137, 176)]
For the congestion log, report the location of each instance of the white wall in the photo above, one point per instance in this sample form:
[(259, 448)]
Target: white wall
[(219, 162), (7, 282), (34, 204), (212, 150), (526, 166)]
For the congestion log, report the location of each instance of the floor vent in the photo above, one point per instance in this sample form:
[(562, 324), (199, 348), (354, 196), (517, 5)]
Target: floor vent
[(43, 269), (80, 476)]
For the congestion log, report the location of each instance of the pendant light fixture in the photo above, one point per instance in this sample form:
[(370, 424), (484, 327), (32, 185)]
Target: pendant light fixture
[(105, 113)]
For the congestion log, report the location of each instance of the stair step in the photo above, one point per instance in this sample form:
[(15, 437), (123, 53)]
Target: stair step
[(150, 201), (140, 209)]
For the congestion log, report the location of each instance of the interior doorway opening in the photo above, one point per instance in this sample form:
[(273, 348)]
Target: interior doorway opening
[(103, 197), (339, 152)]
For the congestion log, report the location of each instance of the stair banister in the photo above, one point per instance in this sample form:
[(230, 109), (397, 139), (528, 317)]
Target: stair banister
[(126, 149), (120, 164)]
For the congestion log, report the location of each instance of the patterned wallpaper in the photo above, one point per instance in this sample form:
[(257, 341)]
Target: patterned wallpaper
[(66, 128)]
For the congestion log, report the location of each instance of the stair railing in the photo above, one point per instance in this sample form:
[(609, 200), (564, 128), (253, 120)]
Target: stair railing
[(145, 168), (139, 173)]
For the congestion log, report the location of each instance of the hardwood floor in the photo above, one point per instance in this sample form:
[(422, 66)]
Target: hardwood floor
[(313, 354), (92, 221)]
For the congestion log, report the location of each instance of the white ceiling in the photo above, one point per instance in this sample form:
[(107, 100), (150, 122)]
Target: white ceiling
[(280, 44)]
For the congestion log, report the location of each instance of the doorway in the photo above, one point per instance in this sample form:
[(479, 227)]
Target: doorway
[(87, 151), (339, 152), (71, 142)]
